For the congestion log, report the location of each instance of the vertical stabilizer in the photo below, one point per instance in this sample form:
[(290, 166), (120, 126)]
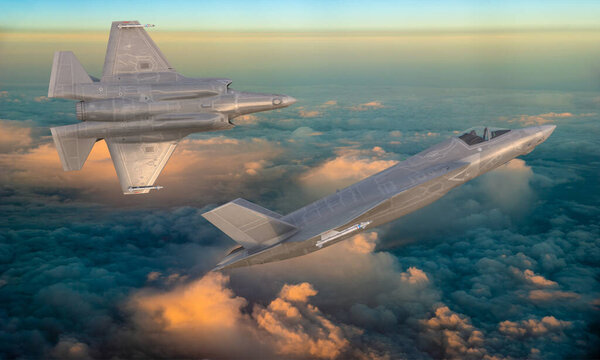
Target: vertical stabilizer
[(72, 149), (66, 73)]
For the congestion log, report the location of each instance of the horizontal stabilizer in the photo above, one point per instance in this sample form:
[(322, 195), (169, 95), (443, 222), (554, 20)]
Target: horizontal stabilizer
[(249, 224), (66, 73), (72, 149)]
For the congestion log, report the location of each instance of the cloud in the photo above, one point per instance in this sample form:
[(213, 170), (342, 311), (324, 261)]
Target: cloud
[(530, 277), (299, 292), (246, 119), (70, 348), (489, 251), (303, 132), (329, 103), (453, 336), (541, 119), (367, 106), (548, 325), (205, 317), (14, 137), (539, 296), (298, 328), (198, 167), (309, 114), (348, 167), (41, 99), (509, 186)]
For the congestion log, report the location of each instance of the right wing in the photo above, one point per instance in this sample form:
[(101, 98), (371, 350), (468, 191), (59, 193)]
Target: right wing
[(131, 50), (138, 164)]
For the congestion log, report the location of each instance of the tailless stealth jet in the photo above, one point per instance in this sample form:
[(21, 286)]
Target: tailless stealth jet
[(141, 107), (265, 236)]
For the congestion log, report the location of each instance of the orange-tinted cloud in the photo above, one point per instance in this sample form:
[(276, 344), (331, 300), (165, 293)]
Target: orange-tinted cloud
[(533, 328), (367, 106), (298, 328), (206, 317), (246, 119), (329, 103), (530, 277), (540, 119), (348, 167), (547, 296), (309, 114), (454, 335), (13, 137), (206, 169)]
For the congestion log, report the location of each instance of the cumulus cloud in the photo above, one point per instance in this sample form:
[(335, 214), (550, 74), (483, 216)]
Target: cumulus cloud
[(246, 119), (71, 349), (371, 296), (41, 99), (304, 131), (309, 114), (205, 317), (367, 106), (530, 277), (539, 296), (509, 186), (299, 328), (452, 336), (329, 103), (546, 118), (198, 167), (348, 167), (548, 325), (13, 137)]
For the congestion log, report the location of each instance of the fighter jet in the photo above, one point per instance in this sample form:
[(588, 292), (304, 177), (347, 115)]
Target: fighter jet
[(141, 107), (265, 236)]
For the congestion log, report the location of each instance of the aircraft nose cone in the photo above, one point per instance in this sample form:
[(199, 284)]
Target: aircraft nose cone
[(288, 100), (546, 130)]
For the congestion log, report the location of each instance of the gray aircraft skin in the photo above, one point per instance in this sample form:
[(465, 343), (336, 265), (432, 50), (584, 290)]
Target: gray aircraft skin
[(142, 107), (265, 236)]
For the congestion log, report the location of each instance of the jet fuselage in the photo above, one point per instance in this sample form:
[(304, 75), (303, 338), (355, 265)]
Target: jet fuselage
[(141, 107), (390, 194)]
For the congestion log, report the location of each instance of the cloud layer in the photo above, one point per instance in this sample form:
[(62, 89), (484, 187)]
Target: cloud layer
[(502, 267)]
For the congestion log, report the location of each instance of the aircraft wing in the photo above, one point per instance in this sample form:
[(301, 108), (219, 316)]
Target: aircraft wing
[(138, 164), (131, 50)]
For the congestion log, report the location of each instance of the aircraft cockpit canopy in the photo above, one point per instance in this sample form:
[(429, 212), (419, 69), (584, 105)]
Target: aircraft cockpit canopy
[(479, 134)]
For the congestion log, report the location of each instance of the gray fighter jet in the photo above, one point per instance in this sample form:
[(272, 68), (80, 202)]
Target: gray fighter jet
[(141, 107), (265, 236)]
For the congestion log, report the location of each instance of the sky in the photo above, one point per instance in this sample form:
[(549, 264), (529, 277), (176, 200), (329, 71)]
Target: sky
[(304, 15), (505, 266)]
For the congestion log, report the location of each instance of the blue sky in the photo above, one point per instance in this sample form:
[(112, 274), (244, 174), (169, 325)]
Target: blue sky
[(303, 15)]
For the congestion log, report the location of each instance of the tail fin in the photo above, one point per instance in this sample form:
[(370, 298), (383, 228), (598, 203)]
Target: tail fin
[(72, 149), (66, 73), (250, 225)]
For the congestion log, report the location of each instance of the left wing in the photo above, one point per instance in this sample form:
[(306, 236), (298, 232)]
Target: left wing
[(131, 50), (138, 164)]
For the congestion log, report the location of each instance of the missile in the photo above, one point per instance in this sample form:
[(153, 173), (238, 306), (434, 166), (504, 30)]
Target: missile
[(141, 188), (332, 234), (128, 26)]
